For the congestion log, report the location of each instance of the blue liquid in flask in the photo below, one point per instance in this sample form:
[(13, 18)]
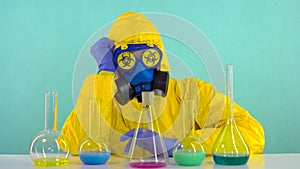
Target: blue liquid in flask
[(94, 157)]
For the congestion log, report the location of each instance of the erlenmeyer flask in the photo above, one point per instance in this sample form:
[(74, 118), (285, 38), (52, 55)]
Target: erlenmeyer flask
[(50, 147), (94, 149), (230, 147), (148, 148), (188, 151)]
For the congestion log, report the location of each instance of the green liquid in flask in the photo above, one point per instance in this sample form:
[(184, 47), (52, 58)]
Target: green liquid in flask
[(186, 158), (51, 162), (230, 159)]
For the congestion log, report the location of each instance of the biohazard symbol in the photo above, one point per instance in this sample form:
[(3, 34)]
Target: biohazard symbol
[(151, 57), (126, 60)]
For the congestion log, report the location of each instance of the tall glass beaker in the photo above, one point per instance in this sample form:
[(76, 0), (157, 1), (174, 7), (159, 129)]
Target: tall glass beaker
[(188, 151), (94, 149), (230, 147), (50, 147), (148, 149)]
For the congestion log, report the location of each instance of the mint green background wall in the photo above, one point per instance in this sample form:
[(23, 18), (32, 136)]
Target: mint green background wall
[(40, 42)]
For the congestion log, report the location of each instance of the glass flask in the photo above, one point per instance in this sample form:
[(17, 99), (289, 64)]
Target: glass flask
[(188, 151), (230, 147), (95, 149), (50, 147), (148, 149)]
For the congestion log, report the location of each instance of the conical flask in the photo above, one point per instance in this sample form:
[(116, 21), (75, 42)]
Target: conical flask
[(148, 148), (188, 151), (50, 147), (95, 149), (230, 147)]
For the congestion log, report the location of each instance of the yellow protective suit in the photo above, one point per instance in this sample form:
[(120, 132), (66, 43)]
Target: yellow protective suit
[(135, 28)]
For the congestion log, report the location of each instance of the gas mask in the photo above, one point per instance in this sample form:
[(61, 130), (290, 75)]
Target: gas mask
[(136, 68)]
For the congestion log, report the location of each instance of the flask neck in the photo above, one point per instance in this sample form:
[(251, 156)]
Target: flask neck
[(146, 109), (229, 109), (229, 92), (188, 118), (51, 110), (94, 118), (147, 102)]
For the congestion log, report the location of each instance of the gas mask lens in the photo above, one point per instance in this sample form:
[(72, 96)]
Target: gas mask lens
[(127, 59), (151, 58)]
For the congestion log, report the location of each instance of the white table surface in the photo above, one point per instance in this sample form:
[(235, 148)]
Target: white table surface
[(260, 161)]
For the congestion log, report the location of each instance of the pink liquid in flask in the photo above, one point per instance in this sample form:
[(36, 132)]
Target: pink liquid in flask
[(148, 164)]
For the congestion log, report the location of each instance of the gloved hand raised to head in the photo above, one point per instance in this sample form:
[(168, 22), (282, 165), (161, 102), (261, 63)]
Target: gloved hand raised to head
[(145, 140), (102, 51)]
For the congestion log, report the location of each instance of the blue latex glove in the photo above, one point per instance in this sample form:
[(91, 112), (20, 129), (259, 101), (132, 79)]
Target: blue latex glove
[(145, 140), (102, 51)]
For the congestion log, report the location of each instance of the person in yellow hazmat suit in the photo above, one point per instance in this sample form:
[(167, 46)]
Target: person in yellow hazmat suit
[(132, 59)]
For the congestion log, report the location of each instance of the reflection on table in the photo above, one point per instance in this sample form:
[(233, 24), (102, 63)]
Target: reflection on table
[(257, 161)]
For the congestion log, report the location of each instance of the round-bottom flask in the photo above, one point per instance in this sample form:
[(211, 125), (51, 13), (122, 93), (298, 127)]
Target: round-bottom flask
[(50, 147), (230, 147), (189, 151), (94, 150)]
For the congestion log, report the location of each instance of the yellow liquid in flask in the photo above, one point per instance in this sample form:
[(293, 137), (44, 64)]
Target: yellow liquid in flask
[(43, 162)]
